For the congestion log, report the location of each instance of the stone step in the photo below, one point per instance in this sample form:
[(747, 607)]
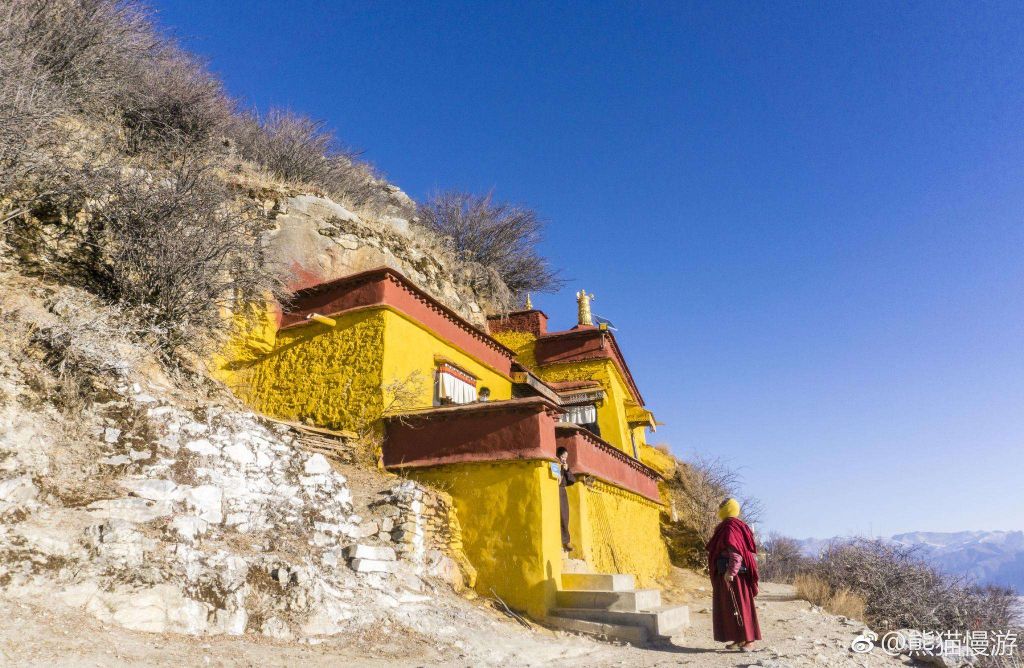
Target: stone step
[(661, 622), (598, 581), (631, 601), (636, 635)]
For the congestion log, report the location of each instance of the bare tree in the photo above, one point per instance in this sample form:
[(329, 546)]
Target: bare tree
[(172, 244), (502, 236), (88, 49), (696, 490), (782, 559), (706, 482)]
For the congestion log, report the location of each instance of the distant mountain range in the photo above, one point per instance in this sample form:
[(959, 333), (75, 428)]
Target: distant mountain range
[(988, 557)]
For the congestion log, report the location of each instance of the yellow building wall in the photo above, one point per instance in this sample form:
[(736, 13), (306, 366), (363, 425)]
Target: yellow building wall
[(522, 343), (252, 333), (410, 350), (331, 376), (611, 416), (616, 531), (510, 528)]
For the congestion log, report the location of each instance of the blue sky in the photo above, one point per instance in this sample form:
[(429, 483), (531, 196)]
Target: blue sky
[(805, 219)]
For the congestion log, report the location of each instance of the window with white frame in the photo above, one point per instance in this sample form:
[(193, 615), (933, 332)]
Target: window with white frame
[(452, 385)]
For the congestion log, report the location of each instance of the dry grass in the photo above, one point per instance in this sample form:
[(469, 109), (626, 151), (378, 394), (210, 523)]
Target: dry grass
[(839, 602)]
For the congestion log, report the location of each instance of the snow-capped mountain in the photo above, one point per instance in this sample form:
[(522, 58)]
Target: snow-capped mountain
[(988, 557)]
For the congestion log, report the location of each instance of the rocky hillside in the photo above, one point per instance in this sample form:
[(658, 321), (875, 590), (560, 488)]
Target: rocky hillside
[(154, 502)]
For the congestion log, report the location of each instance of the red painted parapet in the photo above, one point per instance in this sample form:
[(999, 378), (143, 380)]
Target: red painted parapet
[(533, 321), (387, 287), (480, 432), (590, 454), (583, 343)]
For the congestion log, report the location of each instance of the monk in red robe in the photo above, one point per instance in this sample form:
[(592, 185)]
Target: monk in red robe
[(732, 563)]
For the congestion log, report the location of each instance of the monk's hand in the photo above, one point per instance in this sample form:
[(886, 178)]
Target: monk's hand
[(729, 578)]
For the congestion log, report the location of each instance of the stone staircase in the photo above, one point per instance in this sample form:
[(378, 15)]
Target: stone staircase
[(610, 606)]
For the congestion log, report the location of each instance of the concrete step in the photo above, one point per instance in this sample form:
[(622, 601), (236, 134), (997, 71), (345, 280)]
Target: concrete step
[(663, 621), (570, 565), (632, 601), (636, 635), (598, 581)]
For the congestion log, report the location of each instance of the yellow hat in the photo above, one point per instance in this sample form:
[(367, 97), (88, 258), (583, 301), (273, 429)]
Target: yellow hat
[(729, 508)]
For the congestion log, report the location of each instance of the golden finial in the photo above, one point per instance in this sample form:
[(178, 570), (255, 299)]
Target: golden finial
[(529, 302), (583, 300)]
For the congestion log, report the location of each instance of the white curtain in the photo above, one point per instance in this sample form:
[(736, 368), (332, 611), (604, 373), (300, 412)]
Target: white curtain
[(454, 390), (585, 414)]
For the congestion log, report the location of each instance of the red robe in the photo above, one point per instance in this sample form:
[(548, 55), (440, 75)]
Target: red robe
[(735, 540)]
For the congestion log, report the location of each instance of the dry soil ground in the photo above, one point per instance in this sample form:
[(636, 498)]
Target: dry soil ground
[(39, 634)]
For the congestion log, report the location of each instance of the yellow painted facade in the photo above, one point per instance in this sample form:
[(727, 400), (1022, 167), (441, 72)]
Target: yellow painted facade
[(345, 376), (611, 415), (616, 531), (510, 528), (412, 349)]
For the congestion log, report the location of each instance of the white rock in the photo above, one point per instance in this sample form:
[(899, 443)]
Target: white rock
[(131, 509), (18, 490), (206, 501), (317, 464), (232, 622), (275, 628), (188, 526), (116, 460), (202, 447), (138, 455), (111, 434), (195, 428), (372, 566), (374, 552), (240, 453), (154, 490)]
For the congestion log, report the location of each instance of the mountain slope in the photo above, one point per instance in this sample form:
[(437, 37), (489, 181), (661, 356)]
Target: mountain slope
[(987, 557)]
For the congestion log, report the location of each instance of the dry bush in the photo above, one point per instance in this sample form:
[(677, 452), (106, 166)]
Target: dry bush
[(695, 491), (174, 100), (839, 602), (300, 150), (86, 49), (705, 483), (782, 559), (901, 590), (502, 236), (173, 247)]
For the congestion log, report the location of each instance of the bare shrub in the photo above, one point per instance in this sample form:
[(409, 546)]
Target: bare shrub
[(695, 491), (901, 590), (782, 559), (87, 49), (174, 247), (174, 100), (300, 150), (502, 236), (705, 483)]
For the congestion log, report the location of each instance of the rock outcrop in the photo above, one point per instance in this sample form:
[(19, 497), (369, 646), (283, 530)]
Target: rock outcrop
[(315, 239)]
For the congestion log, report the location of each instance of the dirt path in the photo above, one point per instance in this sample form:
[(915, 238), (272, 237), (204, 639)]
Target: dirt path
[(35, 634)]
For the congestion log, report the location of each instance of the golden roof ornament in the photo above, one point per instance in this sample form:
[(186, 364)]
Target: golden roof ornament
[(583, 301), (529, 302)]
